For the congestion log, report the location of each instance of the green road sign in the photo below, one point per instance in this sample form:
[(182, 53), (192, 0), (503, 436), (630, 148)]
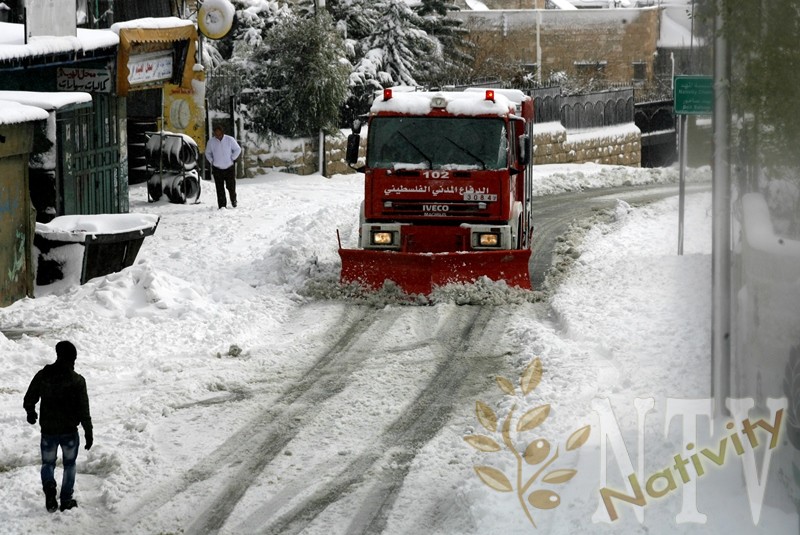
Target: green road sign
[(693, 95)]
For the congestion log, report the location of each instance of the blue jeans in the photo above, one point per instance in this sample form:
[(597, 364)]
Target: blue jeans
[(69, 443)]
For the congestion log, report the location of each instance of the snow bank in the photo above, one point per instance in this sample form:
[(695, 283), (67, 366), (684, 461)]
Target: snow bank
[(553, 179)]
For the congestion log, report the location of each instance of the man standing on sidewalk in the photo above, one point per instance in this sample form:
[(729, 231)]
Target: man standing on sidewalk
[(65, 404), (221, 152)]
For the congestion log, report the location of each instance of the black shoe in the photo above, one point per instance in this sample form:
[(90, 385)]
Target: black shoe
[(233, 203), (50, 498), (68, 504)]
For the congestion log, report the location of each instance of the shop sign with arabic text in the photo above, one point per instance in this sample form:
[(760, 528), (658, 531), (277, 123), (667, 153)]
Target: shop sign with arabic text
[(88, 80)]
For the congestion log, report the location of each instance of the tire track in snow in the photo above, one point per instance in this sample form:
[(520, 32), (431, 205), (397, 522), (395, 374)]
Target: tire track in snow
[(242, 457), (457, 379)]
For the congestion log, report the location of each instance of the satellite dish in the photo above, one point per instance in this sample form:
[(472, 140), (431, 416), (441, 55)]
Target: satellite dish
[(215, 18)]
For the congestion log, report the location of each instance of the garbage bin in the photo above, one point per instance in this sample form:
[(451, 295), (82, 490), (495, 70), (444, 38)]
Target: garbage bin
[(82, 247)]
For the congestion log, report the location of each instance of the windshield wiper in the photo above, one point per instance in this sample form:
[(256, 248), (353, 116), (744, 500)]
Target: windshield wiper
[(430, 162), (466, 151)]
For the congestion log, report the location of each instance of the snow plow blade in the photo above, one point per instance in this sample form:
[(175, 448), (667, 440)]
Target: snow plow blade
[(420, 273)]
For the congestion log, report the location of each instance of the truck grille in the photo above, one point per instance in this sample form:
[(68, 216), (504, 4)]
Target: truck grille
[(444, 209)]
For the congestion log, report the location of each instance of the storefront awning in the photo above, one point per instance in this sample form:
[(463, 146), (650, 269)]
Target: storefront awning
[(146, 69)]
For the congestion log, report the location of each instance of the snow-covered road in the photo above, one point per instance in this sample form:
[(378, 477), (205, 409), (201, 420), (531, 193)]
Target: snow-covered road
[(235, 390)]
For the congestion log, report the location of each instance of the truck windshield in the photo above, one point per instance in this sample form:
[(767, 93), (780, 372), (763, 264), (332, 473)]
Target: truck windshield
[(437, 143)]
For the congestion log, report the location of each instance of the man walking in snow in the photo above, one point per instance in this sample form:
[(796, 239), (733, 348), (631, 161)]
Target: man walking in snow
[(65, 404), (221, 152)]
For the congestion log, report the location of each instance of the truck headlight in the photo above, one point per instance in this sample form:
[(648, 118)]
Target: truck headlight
[(488, 239), (382, 238)]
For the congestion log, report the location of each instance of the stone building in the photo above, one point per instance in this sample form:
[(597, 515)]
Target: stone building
[(613, 45)]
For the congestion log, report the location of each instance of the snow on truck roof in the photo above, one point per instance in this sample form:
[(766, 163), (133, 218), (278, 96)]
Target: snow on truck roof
[(472, 101)]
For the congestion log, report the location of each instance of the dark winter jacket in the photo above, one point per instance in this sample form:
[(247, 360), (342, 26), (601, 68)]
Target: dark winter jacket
[(65, 403)]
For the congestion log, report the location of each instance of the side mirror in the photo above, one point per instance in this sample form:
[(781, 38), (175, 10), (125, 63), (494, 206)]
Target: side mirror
[(353, 141), (524, 149)]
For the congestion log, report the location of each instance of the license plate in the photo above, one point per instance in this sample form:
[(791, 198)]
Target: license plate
[(487, 197)]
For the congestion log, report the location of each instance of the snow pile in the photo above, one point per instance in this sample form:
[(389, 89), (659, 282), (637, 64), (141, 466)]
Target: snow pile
[(554, 179)]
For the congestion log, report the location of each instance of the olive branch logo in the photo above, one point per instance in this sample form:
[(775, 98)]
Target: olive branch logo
[(537, 453)]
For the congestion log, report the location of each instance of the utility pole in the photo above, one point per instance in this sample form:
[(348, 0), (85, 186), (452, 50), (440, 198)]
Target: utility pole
[(721, 218), (319, 7)]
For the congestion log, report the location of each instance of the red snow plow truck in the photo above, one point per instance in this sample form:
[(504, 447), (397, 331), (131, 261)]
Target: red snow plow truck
[(447, 190)]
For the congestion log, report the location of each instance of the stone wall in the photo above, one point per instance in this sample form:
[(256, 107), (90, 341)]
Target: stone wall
[(299, 156), (614, 145), (552, 144)]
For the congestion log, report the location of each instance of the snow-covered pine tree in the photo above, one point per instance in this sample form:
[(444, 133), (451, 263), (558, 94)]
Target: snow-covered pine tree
[(299, 77), (355, 21), (385, 43), (398, 44), (453, 56)]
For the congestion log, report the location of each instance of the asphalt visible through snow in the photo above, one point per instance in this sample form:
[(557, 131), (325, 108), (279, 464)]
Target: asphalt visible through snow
[(554, 214)]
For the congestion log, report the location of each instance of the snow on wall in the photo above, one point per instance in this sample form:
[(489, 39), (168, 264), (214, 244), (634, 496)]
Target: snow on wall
[(47, 101), (614, 145), (15, 113), (619, 145), (12, 42)]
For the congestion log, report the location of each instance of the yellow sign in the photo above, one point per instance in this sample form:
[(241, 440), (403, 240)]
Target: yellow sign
[(184, 110)]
